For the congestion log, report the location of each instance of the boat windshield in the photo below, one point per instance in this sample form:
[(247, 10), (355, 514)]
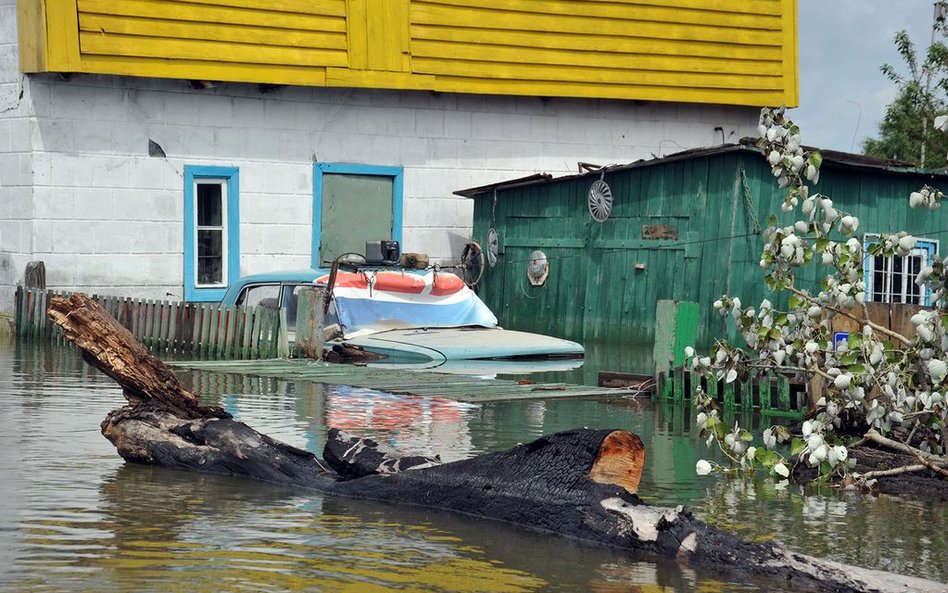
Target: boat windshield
[(368, 302)]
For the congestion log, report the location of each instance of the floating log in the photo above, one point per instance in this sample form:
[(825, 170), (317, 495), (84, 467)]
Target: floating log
[(580, 484)]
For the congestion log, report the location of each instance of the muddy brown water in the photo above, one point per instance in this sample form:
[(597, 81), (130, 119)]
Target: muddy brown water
[(75, 517)]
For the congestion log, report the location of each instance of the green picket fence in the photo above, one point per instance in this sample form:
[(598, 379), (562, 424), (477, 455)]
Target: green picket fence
[(771, 393), (204, 329)]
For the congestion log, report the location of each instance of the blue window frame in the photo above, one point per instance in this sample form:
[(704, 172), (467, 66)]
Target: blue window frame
[(320, 173), (211, 231), (892, 279)]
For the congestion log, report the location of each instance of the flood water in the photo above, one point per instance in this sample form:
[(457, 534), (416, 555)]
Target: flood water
[(75, 517)]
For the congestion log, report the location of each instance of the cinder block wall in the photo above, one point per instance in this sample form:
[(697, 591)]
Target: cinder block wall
[(79, 190), (15, 162)]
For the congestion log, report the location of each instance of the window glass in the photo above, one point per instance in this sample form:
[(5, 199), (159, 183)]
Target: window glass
[(210, 209), (211, 236), (261, 295), (210, 257), (291, 297)]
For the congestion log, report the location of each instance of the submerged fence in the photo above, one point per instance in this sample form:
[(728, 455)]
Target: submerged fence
[(204, 329), (773, 394)]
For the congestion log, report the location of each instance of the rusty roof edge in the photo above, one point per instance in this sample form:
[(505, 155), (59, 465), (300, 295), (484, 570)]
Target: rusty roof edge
[(520, 181), (835, 157)]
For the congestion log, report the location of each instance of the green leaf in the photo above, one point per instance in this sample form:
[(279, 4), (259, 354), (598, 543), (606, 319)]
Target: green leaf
[(746, 436), (797, 445), (816, 159), (857, 368), (767, 458)]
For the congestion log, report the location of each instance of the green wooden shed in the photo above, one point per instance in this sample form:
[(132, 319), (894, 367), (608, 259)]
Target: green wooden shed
[(684, 227)]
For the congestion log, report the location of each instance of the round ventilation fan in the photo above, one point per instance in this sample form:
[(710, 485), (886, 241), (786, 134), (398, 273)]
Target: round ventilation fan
[(493, 247), (600, 200)]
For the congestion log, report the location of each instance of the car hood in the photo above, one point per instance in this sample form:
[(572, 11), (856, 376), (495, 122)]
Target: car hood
[(464, 343)]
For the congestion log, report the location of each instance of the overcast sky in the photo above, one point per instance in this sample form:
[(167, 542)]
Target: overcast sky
[(842, 44)]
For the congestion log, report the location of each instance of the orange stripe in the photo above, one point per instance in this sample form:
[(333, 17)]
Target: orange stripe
[(446, 283), (397, 282)]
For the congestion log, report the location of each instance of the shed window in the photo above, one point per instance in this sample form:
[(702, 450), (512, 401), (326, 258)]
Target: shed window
[(211, 233), (892, 279)]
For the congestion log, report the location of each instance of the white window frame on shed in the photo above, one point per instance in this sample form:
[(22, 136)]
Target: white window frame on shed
[(892, 279)]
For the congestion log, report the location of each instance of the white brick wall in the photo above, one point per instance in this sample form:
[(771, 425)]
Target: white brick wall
[(15, 163), (79, 191)]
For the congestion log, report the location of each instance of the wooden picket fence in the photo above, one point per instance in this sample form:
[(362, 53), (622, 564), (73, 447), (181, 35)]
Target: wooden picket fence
[(772, 394), (203, 329)]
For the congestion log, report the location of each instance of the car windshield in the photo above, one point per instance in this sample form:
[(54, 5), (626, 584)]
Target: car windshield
[(374, 301)]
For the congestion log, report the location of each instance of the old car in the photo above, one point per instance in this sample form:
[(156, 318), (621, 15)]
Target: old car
[(403, 315)]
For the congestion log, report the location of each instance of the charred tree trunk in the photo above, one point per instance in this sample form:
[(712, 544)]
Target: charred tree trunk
[(580, 483)]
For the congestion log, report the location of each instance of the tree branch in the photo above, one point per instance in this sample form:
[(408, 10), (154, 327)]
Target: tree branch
[(874, 436), (883, 473), (932, 466), (875, 326)]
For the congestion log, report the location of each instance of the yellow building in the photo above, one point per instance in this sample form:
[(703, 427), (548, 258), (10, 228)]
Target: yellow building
[(201, 140), (700, 51)]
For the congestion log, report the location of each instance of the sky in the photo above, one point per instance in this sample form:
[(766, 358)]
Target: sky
[(842, 44)]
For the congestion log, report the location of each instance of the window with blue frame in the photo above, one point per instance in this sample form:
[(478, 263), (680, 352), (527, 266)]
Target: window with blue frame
[(893, 279), (353, 204), (211, 231)]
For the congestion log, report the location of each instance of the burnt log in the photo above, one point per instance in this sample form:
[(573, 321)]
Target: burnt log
[(579, 484)]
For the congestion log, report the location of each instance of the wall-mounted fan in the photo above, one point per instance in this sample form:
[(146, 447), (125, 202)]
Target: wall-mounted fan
[(600, 200), (493, 247), (538, 268)]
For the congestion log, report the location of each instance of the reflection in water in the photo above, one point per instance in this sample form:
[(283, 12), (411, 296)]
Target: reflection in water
[(76, 518)]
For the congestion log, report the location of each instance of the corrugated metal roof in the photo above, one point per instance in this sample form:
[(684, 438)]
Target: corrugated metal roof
[(830, 157)]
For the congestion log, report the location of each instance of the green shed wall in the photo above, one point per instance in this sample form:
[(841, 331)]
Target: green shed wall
[(594, 293)]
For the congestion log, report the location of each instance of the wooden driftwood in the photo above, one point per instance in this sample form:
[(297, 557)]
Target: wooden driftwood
[(580, 483)]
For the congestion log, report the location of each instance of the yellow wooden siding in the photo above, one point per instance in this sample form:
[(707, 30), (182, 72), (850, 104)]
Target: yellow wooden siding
[(711, 51)]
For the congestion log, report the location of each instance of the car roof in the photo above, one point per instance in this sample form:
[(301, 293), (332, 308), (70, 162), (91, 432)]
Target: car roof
[(298, 275)]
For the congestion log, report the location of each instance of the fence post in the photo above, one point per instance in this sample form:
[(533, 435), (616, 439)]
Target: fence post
[(309, 323), (676, 327)]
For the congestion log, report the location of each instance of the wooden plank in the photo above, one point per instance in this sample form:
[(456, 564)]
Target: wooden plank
[(32, 39), (251, 320), (62, 29), (568, 73), (148, 319), (327, 7), (431, 14), (173, 325), (218, 51), (605, 43), (204, 341), (18, 300), (213, 13), (635, 63), (204, 70), (700, 11), (629, 90), (387, 32), (282, 339), (357, 34), (171, 29), (35, 313)]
